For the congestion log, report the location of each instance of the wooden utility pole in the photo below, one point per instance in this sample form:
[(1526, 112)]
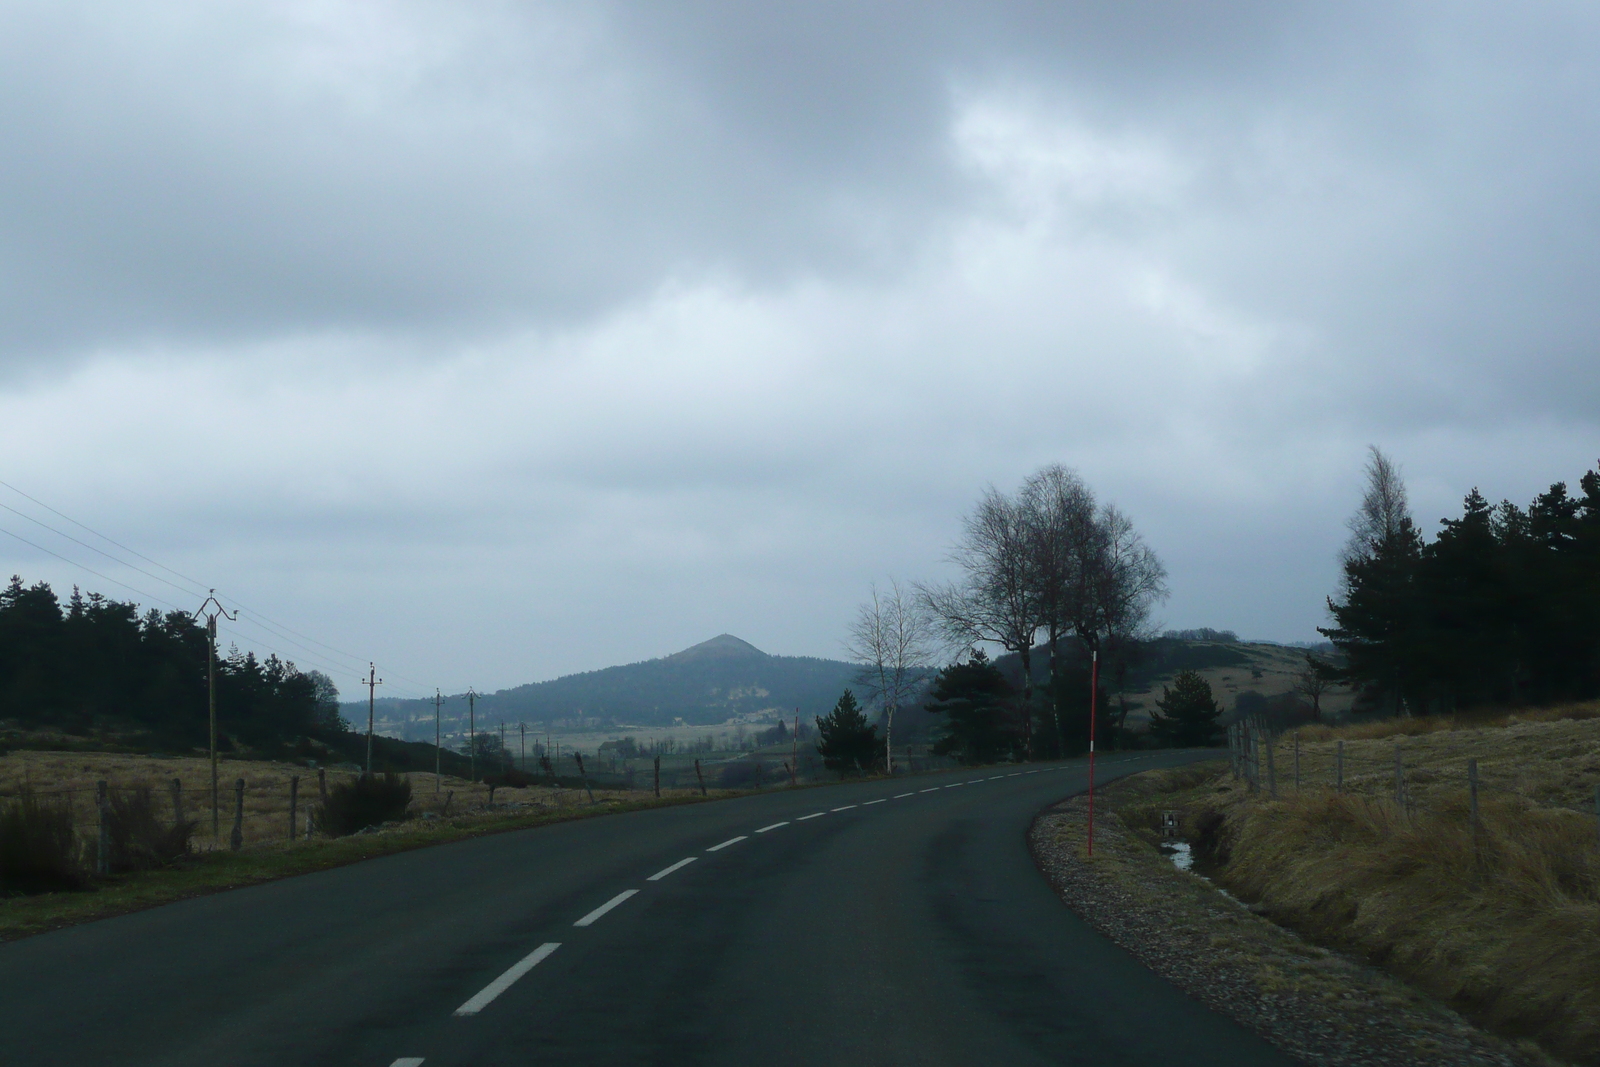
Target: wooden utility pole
[(211, 694), (438, 753), (372, 681), (472, 731), (1094, 688)]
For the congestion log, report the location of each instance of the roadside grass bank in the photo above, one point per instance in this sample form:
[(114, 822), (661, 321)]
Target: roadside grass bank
[(1497, 915), (1318, 1004), (203, 873)]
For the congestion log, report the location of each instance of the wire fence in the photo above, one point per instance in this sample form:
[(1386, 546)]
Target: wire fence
[(1420, 773), (256, 805)]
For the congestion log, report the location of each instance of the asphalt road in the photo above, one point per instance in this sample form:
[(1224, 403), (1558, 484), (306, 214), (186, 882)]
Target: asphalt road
[(865, 923)]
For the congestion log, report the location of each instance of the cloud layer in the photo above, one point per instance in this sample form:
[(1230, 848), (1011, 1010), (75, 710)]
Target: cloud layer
[(501, 343)]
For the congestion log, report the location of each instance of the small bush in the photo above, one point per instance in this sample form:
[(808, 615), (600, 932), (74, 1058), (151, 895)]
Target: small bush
[(366, 801), (136, 837), (38, 851)]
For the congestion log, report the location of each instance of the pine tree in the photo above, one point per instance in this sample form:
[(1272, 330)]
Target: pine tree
[(846, 741), (971, 697), (1188, 715)]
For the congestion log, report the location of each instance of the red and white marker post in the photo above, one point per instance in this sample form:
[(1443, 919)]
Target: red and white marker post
[(1094, 690)]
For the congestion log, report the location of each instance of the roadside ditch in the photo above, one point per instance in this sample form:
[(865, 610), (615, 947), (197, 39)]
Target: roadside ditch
[(1325, 1004)]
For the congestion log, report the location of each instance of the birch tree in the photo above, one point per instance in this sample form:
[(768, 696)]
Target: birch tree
[(893, 639)]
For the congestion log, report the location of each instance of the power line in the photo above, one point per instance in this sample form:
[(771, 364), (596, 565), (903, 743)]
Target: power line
[(91, 570), (102, 551), (193, 581)]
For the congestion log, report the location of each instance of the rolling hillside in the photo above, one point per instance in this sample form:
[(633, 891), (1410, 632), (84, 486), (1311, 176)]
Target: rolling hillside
[(712, 682)]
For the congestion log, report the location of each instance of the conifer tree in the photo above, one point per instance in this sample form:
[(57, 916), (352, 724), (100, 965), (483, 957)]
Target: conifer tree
[(1188, 713), (846, 741)]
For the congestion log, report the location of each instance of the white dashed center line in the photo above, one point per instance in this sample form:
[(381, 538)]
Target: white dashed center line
[(955, 785), (846, 807), (680, 865), (975, 781), (407, 1061), (869, 803), (725, 844), (1013, 774), (517, 970), (596, 914), (813, 815), (774, 826), (902, 796), (935, 789)]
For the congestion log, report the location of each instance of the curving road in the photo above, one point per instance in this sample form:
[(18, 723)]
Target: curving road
[(865, 923)]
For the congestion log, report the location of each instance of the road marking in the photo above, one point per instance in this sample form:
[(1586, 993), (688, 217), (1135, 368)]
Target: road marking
[(954, 785), (1013, 774), (813, 815), (935, 789), (975, 781), (869, 803), (846, 807), (901, 796), (503, 983), (774, 826), (997, 777), (725, 844), (680, 865), (596, 914), (407, 1061)]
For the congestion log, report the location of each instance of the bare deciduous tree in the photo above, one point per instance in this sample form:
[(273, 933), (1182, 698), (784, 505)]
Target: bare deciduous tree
[(1385, 511), (1123, 582), (893, 640), (1312, 684), (997, 600), (1063, 540)]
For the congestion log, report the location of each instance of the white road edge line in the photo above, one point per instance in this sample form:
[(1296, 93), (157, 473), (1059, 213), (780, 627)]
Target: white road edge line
[(680, 865), (593, 916), (813, 815), (902, 796), (869, 803), (725, 844), (501, 984), (774, 826), (846, 807)]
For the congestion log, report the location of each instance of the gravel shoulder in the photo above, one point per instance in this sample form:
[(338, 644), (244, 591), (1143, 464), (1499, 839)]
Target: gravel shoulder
[(1318, 1005)]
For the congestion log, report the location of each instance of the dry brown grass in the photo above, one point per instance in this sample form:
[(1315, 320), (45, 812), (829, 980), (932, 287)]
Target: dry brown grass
[(73, 775), (1506, 928)]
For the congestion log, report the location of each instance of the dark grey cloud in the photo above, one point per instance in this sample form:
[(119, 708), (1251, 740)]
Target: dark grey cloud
[(602, 328)]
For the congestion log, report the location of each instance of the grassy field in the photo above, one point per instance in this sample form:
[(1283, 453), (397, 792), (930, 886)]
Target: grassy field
[(1501, 920)]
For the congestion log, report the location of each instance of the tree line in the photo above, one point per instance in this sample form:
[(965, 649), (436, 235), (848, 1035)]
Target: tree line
[(97, 663), (1047, 570), (1502, 607)]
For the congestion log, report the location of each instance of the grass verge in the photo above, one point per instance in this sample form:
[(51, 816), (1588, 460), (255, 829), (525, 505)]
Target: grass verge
[(211, 872)]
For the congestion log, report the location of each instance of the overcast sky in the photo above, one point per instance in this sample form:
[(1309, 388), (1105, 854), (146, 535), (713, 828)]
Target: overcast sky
[(496, 342)]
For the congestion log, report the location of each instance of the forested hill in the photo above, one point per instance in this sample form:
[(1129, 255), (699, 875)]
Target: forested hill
[(708, 683)]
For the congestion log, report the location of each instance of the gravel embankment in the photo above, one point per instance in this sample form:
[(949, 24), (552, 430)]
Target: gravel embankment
[(1320, 1006)]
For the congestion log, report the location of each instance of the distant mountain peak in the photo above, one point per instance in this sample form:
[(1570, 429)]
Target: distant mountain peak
[(722, 646)]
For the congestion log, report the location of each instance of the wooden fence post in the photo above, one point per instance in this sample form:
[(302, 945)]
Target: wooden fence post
[(1297, 761), (1272, 770), (700, 777), (102, 856), (1472, 800), (658, 777), (177, 802), (294, 802), (1338, 768), (1399, 779), (236, 839), (322, 784), (578, 757)]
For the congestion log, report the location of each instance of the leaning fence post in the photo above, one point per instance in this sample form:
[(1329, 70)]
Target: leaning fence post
[(1472, 800), (700, 777), (236, 839), (102, 860), (294, 802), (1297, 761), (322, 784), (1338, 768), (1233, 750), (177, 802), (658, 777), (578, 756), (1399, 779), (1272, 771)]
